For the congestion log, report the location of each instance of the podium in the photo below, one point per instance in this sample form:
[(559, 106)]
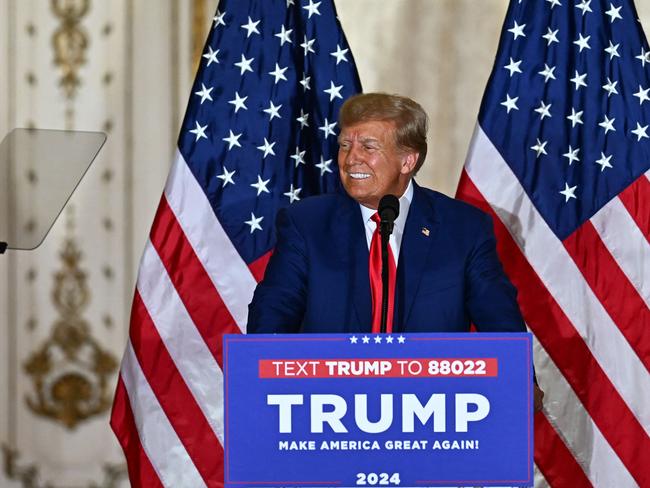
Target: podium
[(378, 410)]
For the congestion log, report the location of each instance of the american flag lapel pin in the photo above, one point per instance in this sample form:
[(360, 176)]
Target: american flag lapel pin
[(425, 231)]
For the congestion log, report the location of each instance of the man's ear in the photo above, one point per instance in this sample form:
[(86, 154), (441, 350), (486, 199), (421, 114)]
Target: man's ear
[(409, 160)]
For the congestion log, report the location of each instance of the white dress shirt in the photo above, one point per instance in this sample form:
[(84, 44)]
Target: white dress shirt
[(395, 240)]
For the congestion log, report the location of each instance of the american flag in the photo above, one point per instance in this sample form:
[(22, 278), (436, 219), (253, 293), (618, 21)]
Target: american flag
[(259, 133), (560, 158)]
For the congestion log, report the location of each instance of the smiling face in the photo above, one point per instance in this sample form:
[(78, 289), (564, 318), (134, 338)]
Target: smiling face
[(370, 163)]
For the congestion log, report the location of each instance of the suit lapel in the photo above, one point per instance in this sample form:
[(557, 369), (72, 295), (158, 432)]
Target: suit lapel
[(419, 235)]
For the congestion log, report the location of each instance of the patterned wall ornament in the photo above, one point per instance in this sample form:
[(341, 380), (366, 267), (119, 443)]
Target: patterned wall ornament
[(70, 372)]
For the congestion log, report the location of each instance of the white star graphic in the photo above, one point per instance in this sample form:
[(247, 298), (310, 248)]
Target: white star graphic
[(365, 339), (305, 82), (377, 339), (298, 157), (353, 340), (273, 111), (554, 3), (608, 124), (266, 148), (312, 8), (575, 117), (551, 36), (612, 50), (543, 110), (218, 19), (579, 80), (401, 339), (334, 91), (517, 30), (260, 186), (339, 54), (239, 102), (513, 67), (610, 87), (199, 131), (510, 103), (303, 119), (640, 132), (642, 95), (226, 176), (584, 6), (572, 155), (254, 222), (540, 147), (613, 13), (278, 73), (204, 93), (324, 166), (232, 140), (284, 35), (307, 45), (245, 64), (290, 2), (569, 192), (582, 42), (327, 128), (547, 72), (293, 194), (251, 27), (644, 57), (211, 56), (389, 339), (604, 162)]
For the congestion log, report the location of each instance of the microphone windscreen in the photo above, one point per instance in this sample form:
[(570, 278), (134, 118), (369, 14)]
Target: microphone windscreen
[(388, 208)]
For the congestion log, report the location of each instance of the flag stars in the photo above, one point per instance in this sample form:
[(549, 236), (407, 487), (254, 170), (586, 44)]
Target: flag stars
[(551, 36), (540, 148), (554, 3), (644, 57), (334, 91), (204, 93), (640, 132), (250, 27), (245, 64), (278, 73), (327, 128), (312, 8), (273, 111), (232, 140), (211, 56), (569, 192), (575, 117), (339, 54), (226, 176), (608, 124), (238, 102), (603, 162), (298, 156), (267, 148), (218, 19), (548, 73), (307, 45), (543, 110), (613, 13), (610, 87), (324, 166), (642, 95), (254, 223), (612, 50), (579, 80), (293, 194), (510, 103), (283, 35), (517, 30), (572, 155), (303, 119), (199, 131), (584, 6), (582, 42), (305, 82), (260, 186), (513, 67)]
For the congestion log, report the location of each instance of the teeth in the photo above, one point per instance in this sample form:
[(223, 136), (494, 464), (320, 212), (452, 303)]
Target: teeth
[(359, 176)]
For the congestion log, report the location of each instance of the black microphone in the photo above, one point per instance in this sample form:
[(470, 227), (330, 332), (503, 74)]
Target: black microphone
[(388, 211)]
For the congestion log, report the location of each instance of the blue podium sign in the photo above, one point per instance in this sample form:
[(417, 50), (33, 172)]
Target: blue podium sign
[(378, 410)]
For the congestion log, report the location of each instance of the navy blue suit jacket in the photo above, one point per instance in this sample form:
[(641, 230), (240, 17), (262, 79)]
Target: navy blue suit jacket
[(317, 279)]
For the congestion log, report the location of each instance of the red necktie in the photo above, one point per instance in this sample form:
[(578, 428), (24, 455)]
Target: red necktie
[(374, 267)]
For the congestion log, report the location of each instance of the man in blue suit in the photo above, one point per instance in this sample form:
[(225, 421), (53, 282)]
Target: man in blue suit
[(448, 275)]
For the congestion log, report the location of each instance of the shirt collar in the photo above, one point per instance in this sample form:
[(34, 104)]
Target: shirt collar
[(404, 205)]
